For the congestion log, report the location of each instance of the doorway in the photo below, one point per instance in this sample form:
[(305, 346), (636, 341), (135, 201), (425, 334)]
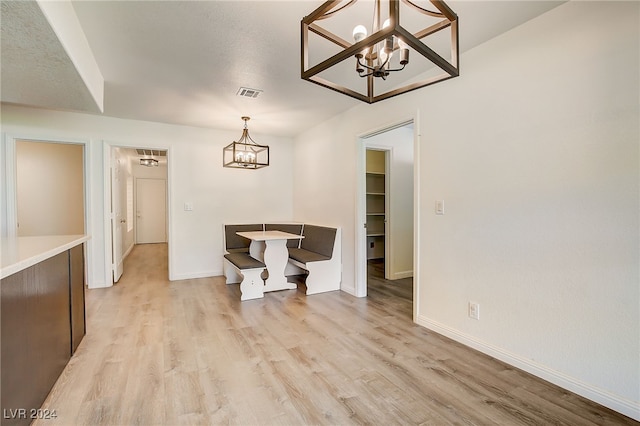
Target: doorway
[(49, 178), (377, 188), (386, 208), (138, 208)]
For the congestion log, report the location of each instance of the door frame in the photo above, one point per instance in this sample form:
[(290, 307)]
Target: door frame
[(107, 146), (10, 158), (117, 263), (360, 219)]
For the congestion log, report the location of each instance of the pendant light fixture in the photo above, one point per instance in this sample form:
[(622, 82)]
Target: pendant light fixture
[(149, 162), (383, 51), (245, 153)]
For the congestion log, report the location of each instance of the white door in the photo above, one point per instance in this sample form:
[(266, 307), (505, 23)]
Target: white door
[(117, 219), (151, 214)]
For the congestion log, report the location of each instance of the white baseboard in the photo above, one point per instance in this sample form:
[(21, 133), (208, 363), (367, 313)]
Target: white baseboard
[(126, 253), (192, 275), (349, 290), (615, 402), (402, 274), (98, 284)]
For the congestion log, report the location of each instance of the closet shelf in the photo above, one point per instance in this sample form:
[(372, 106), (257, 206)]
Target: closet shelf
[(376, 215)]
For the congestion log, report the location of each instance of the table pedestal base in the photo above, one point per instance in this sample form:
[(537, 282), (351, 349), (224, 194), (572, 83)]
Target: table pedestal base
[(275, 255)]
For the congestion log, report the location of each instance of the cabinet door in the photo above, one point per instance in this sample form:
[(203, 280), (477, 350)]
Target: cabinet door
[(49, 324), (76, 282), (17, 294), (35, 334)]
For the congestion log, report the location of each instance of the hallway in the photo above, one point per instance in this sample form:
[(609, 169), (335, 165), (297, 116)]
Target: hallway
[(189, 352)]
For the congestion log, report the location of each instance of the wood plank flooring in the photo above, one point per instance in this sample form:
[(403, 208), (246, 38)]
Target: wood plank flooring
[(189, 352)]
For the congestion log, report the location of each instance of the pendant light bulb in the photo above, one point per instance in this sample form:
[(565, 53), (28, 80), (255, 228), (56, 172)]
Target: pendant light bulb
[(359, 33)]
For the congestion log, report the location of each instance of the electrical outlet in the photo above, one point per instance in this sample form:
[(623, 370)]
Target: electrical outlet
[(474, 310)]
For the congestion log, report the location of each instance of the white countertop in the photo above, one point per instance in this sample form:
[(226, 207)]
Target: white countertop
[(20, 253)]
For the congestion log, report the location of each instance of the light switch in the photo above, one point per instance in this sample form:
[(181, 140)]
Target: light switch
[(188, 207), (440, 207)]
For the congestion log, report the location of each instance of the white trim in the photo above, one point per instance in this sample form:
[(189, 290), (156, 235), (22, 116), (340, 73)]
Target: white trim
[(106, 214), (11, 187), (108, 145), (360, 267), (402, 274), (12, 196), (193, 275), (128, 252), (601, 396), (416, 215)]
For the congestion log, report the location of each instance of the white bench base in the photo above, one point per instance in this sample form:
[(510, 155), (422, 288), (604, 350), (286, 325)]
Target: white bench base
[(323, 275), (251, 282)]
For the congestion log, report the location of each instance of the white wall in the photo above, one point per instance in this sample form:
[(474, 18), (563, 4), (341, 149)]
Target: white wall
[(534, 149), (196, 175), (49, 178)]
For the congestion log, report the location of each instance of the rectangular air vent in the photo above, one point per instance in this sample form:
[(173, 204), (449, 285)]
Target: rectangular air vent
[(151, 152), (246, 92)]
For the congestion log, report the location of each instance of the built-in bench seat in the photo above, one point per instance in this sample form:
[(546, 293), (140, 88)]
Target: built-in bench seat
[(233, 242), (242, 264), (318, 255), (243, 261)]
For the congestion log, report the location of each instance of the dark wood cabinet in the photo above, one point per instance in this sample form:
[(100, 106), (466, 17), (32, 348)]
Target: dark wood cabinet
[(76, 282), (43, 321)]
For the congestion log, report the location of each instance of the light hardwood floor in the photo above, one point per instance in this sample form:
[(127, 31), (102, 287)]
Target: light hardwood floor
[(189, 352)]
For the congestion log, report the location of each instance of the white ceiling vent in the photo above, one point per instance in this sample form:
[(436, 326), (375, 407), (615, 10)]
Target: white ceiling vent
[(246, 92), (151, 152)]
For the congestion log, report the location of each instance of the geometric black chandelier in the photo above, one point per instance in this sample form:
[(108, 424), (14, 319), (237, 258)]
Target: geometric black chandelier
[(245, 153), (328, 53)]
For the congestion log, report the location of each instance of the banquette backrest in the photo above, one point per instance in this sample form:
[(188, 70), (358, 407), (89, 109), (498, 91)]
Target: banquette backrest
[(235, 243), (292, 228), (318, 239)]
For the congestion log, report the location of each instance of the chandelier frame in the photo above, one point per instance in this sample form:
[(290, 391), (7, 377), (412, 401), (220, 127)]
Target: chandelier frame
[(245, 153), (309, 25)]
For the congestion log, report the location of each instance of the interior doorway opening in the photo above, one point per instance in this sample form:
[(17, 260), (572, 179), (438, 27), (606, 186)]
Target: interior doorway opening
[(386, 209), (50, 177), (138, 202)]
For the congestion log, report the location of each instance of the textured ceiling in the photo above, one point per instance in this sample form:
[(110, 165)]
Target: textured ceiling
[(182, 62), (36, 69)]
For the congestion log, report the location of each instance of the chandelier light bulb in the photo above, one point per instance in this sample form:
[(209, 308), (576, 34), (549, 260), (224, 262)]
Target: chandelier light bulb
[(404, 52), (359, 33), (386, 23)]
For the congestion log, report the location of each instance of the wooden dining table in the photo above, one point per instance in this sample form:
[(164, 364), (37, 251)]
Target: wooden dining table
[(270, 247)]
